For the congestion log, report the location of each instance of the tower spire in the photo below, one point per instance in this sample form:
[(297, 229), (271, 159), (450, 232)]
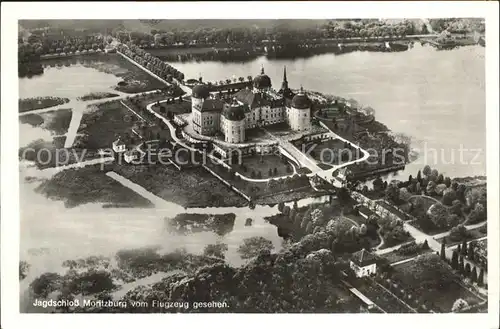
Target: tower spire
[(284, 84)]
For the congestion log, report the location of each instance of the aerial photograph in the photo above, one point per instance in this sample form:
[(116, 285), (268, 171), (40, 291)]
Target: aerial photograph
[(252, 166)]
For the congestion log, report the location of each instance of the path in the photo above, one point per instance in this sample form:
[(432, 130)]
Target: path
[(418, 235), (78, 108), (80, 164), (155, 200)]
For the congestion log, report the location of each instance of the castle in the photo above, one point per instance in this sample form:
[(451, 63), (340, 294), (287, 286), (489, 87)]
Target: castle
[(249, 108)]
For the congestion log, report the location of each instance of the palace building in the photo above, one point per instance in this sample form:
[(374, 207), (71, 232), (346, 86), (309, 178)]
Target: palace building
[(249, 108)]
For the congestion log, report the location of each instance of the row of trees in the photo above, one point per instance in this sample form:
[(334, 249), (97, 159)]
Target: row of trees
[(457, 262), (42, 44), (152, 63), (281, 33)]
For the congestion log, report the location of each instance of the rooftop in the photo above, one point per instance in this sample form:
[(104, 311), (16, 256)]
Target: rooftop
[(363, 258)]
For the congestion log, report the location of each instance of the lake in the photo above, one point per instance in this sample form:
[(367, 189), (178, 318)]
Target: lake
[(436, 97)]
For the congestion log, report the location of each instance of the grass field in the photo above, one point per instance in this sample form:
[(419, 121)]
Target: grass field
[(473, 234), (432, 282), (90, 185), (57, 122), (30, 104), (255, 164), (190, 188), (101, 127)]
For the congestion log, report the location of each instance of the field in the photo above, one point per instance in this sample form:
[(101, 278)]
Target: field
[(431, 282), (90, 185), (174, 107), (397, 255), (100, 95), (263, 166), (30, 104), (57, 122), (189, 188), (102, 126), (50, 154), (331, 152), (380, 296)]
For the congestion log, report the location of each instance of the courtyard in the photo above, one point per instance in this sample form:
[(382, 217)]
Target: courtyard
[(264, 166)]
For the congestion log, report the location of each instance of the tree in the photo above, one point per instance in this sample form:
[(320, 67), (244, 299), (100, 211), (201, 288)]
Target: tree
[(281, 205), (427, 170), (440, 179), (464, 248), (447, 181), (480, 279), (410, 179), (467, 270), (454, 186), (473, 275), (286, 211), (449, 196), (454, 260), (431, 186), (425, 245), (461, 264), (443, 251), (392, 193), (419, 176), (471, 252), (309, 228)]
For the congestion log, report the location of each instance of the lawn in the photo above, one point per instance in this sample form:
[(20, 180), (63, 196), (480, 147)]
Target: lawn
[(406, 252), (46, 154), (263, 166), (90, 185), (473, 234), (266, 192), (134, 79), (57, 122), (174, 107), (429, 281), (427, 226), (383, 298), (30, 104), (193, 187), (97, 95), (331, 152), (102, 126)]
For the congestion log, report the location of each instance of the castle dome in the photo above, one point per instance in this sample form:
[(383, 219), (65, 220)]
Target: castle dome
[(262, 81), (235, 112), (201, 91), (301, 101)]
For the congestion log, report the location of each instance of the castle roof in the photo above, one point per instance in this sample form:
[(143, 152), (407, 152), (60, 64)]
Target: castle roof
[(363, 258), (201, 91), (252, 99), (235, 112), (262, 81), (301, 101), (212, 105)]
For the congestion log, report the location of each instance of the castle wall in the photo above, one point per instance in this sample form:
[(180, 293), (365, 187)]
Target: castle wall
[(234, 131)]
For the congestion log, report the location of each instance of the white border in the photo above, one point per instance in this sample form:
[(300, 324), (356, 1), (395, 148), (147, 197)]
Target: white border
[(231, 10)]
